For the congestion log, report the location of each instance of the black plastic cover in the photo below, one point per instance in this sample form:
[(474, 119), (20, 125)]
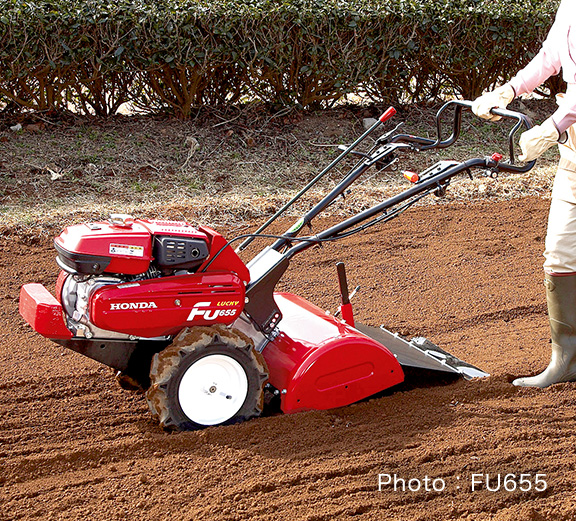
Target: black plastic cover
[(179, 252), (81, 263)]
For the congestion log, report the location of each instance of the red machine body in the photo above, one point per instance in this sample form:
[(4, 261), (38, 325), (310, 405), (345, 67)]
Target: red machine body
[(129, 249), (320, 362), (160, 307), (43, 312), (316, 361), (144, 278)]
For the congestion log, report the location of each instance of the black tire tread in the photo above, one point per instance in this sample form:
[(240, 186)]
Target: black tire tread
[(193, 342)]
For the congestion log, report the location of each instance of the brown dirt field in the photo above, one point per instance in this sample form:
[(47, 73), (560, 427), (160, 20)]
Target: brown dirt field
[(73, 445)]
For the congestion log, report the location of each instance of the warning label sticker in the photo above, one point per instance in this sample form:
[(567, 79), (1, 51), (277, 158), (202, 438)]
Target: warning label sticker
[(126, 249)]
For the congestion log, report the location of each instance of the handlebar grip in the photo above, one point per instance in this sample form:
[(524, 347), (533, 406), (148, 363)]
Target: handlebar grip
[(523, 122), (505, 113)]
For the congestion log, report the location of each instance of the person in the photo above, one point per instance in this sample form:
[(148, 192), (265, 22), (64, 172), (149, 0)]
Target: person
[(558, 52)]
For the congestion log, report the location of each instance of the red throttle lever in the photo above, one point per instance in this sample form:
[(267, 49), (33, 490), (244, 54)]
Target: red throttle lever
[(390, 111)]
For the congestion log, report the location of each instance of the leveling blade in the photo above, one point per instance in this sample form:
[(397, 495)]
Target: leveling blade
[(421, 353)]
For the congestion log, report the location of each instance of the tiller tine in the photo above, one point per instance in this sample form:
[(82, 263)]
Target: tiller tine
[(421, 353)]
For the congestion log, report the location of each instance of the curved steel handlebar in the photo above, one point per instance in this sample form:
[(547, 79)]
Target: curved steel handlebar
[(523, 123)]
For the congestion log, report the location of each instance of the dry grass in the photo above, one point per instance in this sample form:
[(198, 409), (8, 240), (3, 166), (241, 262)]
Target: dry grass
[(222, 169)]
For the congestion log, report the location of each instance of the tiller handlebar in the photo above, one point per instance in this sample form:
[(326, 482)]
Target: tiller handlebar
[(270, 264)]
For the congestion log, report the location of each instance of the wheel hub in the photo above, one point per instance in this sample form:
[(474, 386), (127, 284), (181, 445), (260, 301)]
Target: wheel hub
[(213, 389)]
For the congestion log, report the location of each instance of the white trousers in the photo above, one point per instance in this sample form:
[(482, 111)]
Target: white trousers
[(560, 248)]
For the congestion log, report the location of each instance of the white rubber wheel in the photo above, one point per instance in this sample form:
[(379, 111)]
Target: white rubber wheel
[(207, 376), (213, 389)]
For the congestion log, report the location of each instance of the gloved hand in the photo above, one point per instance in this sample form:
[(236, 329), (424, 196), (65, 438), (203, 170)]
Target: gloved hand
[(537, 140), (498, 98)]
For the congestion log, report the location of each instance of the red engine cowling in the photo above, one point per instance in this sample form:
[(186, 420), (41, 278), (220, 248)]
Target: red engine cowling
[(95, 248), (163, 306), (129, 247), (140, 278)]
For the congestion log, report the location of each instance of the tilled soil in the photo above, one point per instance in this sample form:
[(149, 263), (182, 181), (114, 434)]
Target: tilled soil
[(73, 445)]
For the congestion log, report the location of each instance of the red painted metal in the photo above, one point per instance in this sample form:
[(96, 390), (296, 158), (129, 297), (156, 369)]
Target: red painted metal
[(159, 307), (227, 260), (42, 311), (319, 362), (171, 228), (129, 247), (347, 313), (102, 239), (62, 276)]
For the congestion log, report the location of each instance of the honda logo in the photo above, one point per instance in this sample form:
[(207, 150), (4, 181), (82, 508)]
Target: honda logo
[(132, 305)]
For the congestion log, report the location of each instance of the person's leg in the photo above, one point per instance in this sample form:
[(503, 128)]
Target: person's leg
[(560, 282)]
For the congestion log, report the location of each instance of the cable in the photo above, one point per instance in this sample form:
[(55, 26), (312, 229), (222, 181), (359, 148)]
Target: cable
[(384, 218), (314, 239)]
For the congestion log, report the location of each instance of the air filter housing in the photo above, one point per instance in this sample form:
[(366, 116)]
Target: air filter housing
[(179, 252)]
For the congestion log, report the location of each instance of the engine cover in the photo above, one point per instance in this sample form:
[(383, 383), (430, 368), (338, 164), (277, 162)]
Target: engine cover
[(129, 247), (163, 306)]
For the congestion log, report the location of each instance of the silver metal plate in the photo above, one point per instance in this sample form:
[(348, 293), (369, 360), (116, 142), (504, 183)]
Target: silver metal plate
[(263, 262), (420, 352)]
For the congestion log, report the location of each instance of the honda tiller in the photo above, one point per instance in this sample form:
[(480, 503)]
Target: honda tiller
[(173, 309)]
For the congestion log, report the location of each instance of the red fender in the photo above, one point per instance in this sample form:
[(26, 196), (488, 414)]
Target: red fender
[(320, 362)]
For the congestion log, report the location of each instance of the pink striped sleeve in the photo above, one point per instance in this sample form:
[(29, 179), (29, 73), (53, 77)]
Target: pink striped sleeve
[(565, 116)]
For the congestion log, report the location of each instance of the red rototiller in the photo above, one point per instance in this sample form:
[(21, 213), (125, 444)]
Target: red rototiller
[(174, 310)]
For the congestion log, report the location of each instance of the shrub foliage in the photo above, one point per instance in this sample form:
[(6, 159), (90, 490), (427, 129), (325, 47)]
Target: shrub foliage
[(176, 55)]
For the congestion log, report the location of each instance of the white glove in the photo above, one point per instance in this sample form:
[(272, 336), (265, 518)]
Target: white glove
[(537, 140), (498, 98)]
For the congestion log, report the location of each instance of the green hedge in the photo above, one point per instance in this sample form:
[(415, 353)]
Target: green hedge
[(174, 55)]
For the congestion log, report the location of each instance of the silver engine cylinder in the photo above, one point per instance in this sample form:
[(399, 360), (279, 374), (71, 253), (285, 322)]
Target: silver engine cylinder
[(76, 295)]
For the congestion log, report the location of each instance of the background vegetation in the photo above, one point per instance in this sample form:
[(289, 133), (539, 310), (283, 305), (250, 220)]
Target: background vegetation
[(92, 56)]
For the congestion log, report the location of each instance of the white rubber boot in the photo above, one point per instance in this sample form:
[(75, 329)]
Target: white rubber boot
[(561, 297)]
